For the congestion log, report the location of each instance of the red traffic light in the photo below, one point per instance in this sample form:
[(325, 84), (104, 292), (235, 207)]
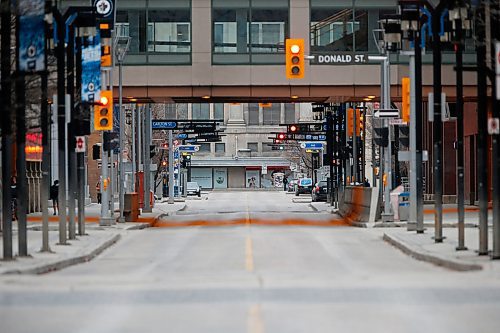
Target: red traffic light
[(104, 100), (294, 48), (281, 136), (293, 128)]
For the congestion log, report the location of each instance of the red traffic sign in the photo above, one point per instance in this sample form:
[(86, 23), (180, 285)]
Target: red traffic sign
[(493, 126), (80, 144)]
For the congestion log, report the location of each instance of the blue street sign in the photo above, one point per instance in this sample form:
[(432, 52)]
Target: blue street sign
[(313, 145), (159, 124), (176, 154), (322, 137), (182, 136), (188, 149)]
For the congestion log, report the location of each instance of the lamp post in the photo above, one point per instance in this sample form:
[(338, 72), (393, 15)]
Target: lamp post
[(410, 27), (121, 47), (460, 22)]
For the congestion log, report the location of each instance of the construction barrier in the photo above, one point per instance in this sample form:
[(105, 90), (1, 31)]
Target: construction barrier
[(358, 203)]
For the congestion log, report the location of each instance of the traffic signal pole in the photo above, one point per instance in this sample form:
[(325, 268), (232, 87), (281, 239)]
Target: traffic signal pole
[(388, 214), (170, 167), (329, 153), (147, 159)]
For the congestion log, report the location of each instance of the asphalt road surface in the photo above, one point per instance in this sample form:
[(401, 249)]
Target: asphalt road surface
[(251, 276)]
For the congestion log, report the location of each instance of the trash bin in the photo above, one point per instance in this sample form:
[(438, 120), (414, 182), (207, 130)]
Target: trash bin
[(131, 207), (404, 206)]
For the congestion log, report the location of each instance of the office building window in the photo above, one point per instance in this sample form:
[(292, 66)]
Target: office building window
[(200, 111), (132, 23), (253, 114), (159, 30), (289, 113), (219, 111), (175, 111), (346, 25), (204, 147), (243, 30), (253, 146), (220, 147), (169, 30), (272, 114)]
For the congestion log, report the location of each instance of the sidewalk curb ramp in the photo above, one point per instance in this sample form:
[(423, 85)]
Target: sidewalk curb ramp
[(356, 206), (66, 262), (426, 256)]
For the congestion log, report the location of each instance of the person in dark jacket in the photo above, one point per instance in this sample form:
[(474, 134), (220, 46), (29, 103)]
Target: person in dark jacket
[(13, 192), (54, 196)]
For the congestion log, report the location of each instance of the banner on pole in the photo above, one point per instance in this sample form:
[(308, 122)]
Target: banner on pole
[(31, 35), (91, 69)]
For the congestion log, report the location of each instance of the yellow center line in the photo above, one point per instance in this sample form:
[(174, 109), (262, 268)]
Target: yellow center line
[(249, 254), (254, 321), (249, 265)]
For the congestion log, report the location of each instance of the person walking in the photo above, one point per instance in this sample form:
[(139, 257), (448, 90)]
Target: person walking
[(98, 191), (13, 191), (285, 184), (54, 196)]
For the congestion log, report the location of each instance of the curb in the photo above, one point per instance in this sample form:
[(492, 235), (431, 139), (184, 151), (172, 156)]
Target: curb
[(61, 264), (426, 256), (313, 208), (139, 226)]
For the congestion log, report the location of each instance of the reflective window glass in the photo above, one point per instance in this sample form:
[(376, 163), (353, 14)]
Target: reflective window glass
[(201, 111), (272, 114)]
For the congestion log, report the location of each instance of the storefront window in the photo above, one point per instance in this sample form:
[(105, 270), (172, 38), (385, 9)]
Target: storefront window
[(132, 23)]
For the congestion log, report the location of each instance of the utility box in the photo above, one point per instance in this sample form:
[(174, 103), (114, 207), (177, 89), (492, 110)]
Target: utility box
[(404, 206), (131, 207)]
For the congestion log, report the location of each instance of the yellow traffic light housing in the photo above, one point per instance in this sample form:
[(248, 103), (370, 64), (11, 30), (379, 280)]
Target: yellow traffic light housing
[(405, 91), (103, 112), (295, 58)]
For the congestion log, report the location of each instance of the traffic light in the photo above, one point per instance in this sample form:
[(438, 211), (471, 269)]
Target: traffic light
[(292, 128), (103, 112), (111, 141), (405, 91), (96, 152), (281, 136), (381, 136), (404, 137), (350, 122), (152, 151), (294, 58)]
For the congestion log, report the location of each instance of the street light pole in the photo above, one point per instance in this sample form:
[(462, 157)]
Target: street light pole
[(121, 48)]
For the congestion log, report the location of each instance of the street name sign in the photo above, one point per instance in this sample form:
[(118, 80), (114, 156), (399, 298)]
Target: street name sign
[(386, 113), (163, 125), (188, 148), (311, 145)]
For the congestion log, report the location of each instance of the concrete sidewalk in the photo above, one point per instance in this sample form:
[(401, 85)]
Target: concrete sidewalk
[(422, 246), (80, 250)]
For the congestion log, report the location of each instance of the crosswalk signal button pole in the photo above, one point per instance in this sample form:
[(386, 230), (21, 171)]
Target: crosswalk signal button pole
[(103, 112), (294, 58)]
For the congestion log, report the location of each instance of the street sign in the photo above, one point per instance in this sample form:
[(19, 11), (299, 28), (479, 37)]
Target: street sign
[(397, 121), (189, 148), (80, 144), (497, 57), (493, 126), (386, 113), (199, 127), (182, 136), (311, 145), (163, 125)]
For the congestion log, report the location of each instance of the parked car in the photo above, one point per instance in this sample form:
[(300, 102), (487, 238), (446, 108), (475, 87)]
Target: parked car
[(319, 191), (304, 186), (291, 185), (193, 189)]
